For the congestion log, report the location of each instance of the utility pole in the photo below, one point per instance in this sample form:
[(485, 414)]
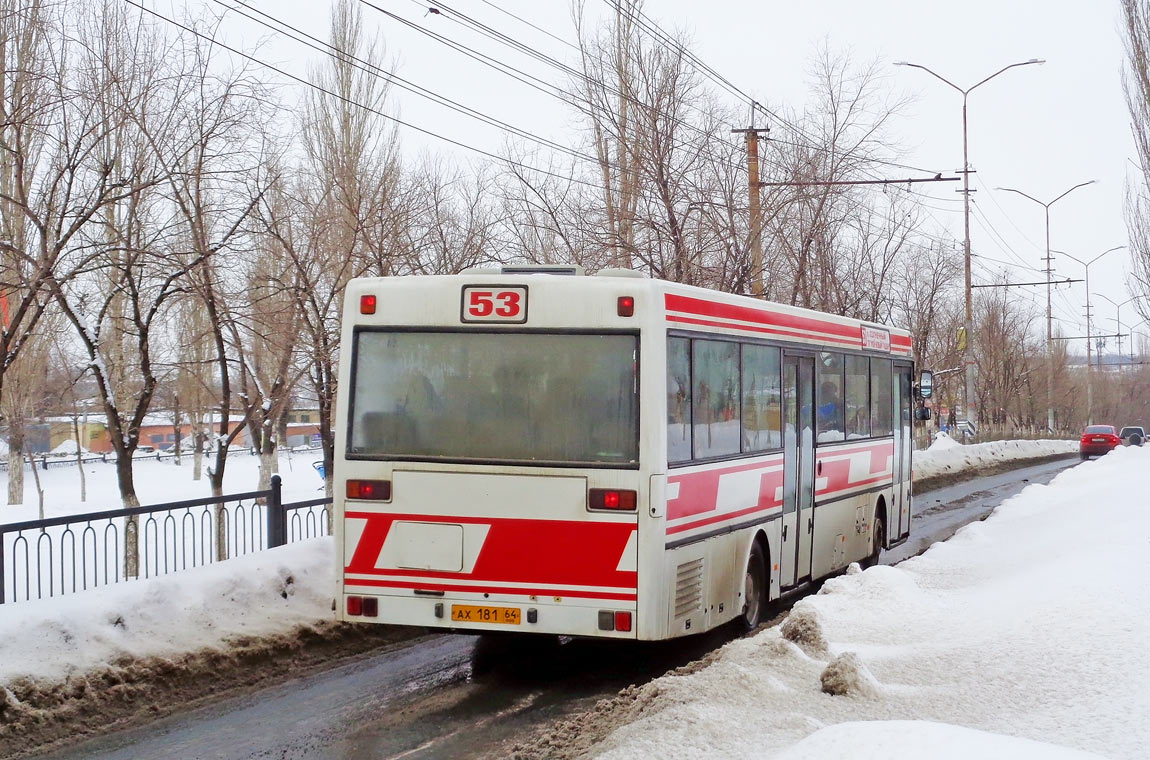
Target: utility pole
[(969, 397), (1049, 312), (753, 185)]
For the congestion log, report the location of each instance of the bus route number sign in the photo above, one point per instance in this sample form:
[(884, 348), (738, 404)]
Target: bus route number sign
[(494, 304)]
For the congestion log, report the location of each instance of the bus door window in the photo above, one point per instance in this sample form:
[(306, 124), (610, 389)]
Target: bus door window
[(790, 470), (880, 393)]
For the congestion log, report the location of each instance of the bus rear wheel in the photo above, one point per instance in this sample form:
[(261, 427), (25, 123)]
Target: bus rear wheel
[(754, 588), (878, 537)]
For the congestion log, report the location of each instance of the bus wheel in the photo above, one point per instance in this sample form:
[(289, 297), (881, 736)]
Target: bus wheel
[(754, 588), (878, 536)]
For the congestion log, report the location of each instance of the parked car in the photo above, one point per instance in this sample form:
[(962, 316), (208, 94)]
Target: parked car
[(1132, 435), (1097, 440)]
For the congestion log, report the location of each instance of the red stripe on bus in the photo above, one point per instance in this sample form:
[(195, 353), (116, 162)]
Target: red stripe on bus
[(769, 330), (562, 552), (748, 314), (699, 491), (474, 589), (777, 322)]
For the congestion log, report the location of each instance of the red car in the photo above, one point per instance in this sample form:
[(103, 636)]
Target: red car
[(1097, 440)]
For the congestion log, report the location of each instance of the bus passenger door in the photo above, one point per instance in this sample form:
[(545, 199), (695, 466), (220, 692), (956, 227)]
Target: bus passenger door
[(903, 408), (798, 469)]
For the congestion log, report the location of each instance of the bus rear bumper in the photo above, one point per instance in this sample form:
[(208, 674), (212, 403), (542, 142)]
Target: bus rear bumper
[(570, 617)]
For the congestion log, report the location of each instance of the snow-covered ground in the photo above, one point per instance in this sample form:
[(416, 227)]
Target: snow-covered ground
[(156, 482), (946, 455), (1024, 636)]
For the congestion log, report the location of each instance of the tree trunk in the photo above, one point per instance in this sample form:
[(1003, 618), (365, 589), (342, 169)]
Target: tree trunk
[(80, 458), (128, 498), (16, 460)]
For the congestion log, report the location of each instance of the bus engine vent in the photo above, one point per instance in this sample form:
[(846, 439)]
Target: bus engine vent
[(688, 587)]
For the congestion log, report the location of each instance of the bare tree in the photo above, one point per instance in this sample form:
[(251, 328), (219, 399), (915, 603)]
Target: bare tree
[(1136, 84)]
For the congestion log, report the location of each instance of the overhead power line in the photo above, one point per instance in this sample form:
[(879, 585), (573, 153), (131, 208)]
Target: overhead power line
[(1025, 284), (351, 101), (832, 183)]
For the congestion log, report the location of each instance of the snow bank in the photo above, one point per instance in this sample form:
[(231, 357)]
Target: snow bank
[(946, 455), (1031, 626), (266, 593), (915, 740)]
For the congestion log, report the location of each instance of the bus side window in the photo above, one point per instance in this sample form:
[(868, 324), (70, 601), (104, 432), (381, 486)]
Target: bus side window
[(678, 399), (762, 403), (829, 398), (857, 397)]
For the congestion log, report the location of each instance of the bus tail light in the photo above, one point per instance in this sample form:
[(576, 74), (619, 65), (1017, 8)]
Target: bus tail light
[(622, 621), (626, 306), (355, 605), (613, 498), (371, 607), (373, 490), (367, 304)]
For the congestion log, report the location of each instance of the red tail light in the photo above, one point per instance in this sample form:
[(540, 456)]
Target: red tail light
[(626, 306), (371, 490), (355, 605), (612, 498), (622, 621), (367, 304), (370, 606)]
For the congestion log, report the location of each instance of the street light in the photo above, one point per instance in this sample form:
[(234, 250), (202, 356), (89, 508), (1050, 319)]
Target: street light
[(1118, 308), (969, 398), (1049, 313), (1089, 334)]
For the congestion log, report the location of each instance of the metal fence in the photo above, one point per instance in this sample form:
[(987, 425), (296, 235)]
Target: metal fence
[(63, 555)]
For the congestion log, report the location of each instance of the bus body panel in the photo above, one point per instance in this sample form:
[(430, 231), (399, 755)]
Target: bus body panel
[(522, 536)]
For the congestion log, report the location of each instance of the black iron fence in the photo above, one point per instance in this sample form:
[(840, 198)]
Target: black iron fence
[(62, 555)]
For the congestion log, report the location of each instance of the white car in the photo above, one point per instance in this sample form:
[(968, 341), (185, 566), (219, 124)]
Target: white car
[(1132, 436)]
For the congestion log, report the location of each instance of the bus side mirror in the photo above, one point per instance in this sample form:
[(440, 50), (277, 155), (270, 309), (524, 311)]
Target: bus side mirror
[(926, 384), (922, 413)]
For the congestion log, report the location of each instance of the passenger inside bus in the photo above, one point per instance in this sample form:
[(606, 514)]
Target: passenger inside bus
[(828, 408)]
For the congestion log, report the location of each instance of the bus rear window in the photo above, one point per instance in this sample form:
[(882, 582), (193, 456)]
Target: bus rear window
[(512, 397)]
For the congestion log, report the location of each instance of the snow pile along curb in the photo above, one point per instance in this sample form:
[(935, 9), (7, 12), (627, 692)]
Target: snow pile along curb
[(1024, 629), (946, 456)]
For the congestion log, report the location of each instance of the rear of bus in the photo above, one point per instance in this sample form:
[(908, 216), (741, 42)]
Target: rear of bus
[(488, 448)]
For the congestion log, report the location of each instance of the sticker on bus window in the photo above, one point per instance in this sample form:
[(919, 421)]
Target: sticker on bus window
[(500, 303), (874, 339)]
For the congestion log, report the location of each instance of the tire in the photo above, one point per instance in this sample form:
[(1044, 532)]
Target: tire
[(1135, 440), (1085, 457), (878, 537), (754, 589)]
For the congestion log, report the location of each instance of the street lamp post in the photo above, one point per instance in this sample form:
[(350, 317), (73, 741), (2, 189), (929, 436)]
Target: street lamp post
[(1049, 312), (1089, 332), (968, 400)]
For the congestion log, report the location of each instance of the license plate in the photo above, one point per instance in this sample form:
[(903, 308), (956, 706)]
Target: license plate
[(467, 613), (1098, 440)]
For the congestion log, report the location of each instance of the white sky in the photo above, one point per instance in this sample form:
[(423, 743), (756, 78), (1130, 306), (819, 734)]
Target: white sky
[(1041, 129)]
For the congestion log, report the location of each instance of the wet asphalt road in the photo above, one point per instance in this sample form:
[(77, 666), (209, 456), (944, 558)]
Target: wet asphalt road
[(454, 696)]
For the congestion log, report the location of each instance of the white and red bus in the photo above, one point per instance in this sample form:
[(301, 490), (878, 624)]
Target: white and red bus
[(607, 455)]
